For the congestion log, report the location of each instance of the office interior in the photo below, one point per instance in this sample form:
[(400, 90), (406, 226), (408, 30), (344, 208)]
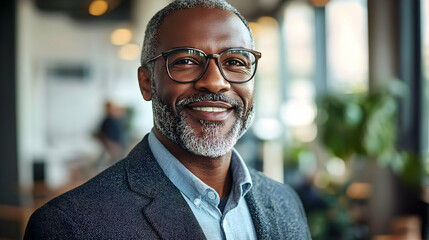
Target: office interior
[(342, 97)]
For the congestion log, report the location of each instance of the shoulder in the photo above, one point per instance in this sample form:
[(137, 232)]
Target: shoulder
[(93, 207), (76, 210), (49, 222)]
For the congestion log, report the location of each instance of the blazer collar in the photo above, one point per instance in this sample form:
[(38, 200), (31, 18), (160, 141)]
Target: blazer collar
[(168, 213)]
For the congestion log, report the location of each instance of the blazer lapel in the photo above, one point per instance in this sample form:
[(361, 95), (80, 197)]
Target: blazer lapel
[(168, 213), (262, 210)]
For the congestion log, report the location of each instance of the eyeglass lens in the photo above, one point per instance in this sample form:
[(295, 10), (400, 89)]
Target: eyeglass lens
[(186, 65)]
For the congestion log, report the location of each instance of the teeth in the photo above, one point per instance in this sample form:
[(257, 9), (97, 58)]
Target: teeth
[(210, 109)]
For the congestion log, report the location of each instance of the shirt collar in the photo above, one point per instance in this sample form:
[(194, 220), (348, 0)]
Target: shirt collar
[(191, 186)]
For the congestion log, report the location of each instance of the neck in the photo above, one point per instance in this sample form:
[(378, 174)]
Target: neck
[(212, 171)]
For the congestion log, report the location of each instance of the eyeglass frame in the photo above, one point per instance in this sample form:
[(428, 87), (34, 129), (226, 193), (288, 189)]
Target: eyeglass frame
[(207, 57)]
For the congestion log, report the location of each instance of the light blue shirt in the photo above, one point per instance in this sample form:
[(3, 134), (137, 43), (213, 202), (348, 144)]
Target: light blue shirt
[(236, 221)]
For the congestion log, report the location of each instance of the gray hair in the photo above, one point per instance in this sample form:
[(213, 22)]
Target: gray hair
[(152, 29)]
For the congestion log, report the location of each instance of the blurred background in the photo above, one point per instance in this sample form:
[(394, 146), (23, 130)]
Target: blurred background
[(342, 100)]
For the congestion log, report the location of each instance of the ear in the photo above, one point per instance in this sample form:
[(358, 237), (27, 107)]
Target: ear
[(145, 83)]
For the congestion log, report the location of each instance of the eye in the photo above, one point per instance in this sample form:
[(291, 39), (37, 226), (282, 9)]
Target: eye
[(234, 62), (185, 61)]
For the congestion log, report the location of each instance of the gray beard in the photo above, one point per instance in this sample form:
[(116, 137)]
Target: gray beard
[(211, 143)]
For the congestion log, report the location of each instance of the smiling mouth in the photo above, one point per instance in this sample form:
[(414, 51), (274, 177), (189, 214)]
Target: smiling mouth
[(210, 109)]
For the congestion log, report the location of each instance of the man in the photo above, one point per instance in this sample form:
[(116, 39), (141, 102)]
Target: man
[(184, 180)]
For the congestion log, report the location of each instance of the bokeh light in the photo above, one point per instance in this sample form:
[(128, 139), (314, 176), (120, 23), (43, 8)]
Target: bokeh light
[(121, 36), (129, 52), (98, 7)]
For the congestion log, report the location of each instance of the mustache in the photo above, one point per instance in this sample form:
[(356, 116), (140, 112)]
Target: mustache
[(218, 96)]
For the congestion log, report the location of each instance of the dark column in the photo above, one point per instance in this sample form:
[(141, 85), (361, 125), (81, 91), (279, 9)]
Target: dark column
[(410, 106), (8, 139), (410, 73), (8, 134), (382, 41), (320, 74)]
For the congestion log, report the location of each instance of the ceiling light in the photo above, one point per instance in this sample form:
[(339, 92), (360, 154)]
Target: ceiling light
[(121, 36), (98, 7), (319, 3), (129, 52)]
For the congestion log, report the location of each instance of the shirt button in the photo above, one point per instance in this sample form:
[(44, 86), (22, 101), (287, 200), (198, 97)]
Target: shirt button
[(197, 201), (211, 195)]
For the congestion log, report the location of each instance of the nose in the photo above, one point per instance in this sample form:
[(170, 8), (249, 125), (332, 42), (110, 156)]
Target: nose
[(212, 80)]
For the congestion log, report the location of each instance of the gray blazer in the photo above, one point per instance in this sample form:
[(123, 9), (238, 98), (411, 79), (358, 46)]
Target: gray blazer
[(134, 199)]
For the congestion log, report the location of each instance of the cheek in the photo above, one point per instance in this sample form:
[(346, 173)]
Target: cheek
[(168, 90), (246, 93), (162, 85)]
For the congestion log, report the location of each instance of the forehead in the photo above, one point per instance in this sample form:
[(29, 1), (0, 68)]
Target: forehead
[(209, 29)]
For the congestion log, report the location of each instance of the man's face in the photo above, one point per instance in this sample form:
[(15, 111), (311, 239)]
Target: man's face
[(208, 116)]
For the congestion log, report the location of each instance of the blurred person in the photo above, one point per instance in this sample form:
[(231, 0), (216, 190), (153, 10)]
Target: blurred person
[(112, 133), (184, 180), (311, 198)]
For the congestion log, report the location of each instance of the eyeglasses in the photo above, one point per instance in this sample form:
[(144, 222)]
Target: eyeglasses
[(184, 65)]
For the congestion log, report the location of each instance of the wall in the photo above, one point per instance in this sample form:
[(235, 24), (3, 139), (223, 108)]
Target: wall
[(57, 115)]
